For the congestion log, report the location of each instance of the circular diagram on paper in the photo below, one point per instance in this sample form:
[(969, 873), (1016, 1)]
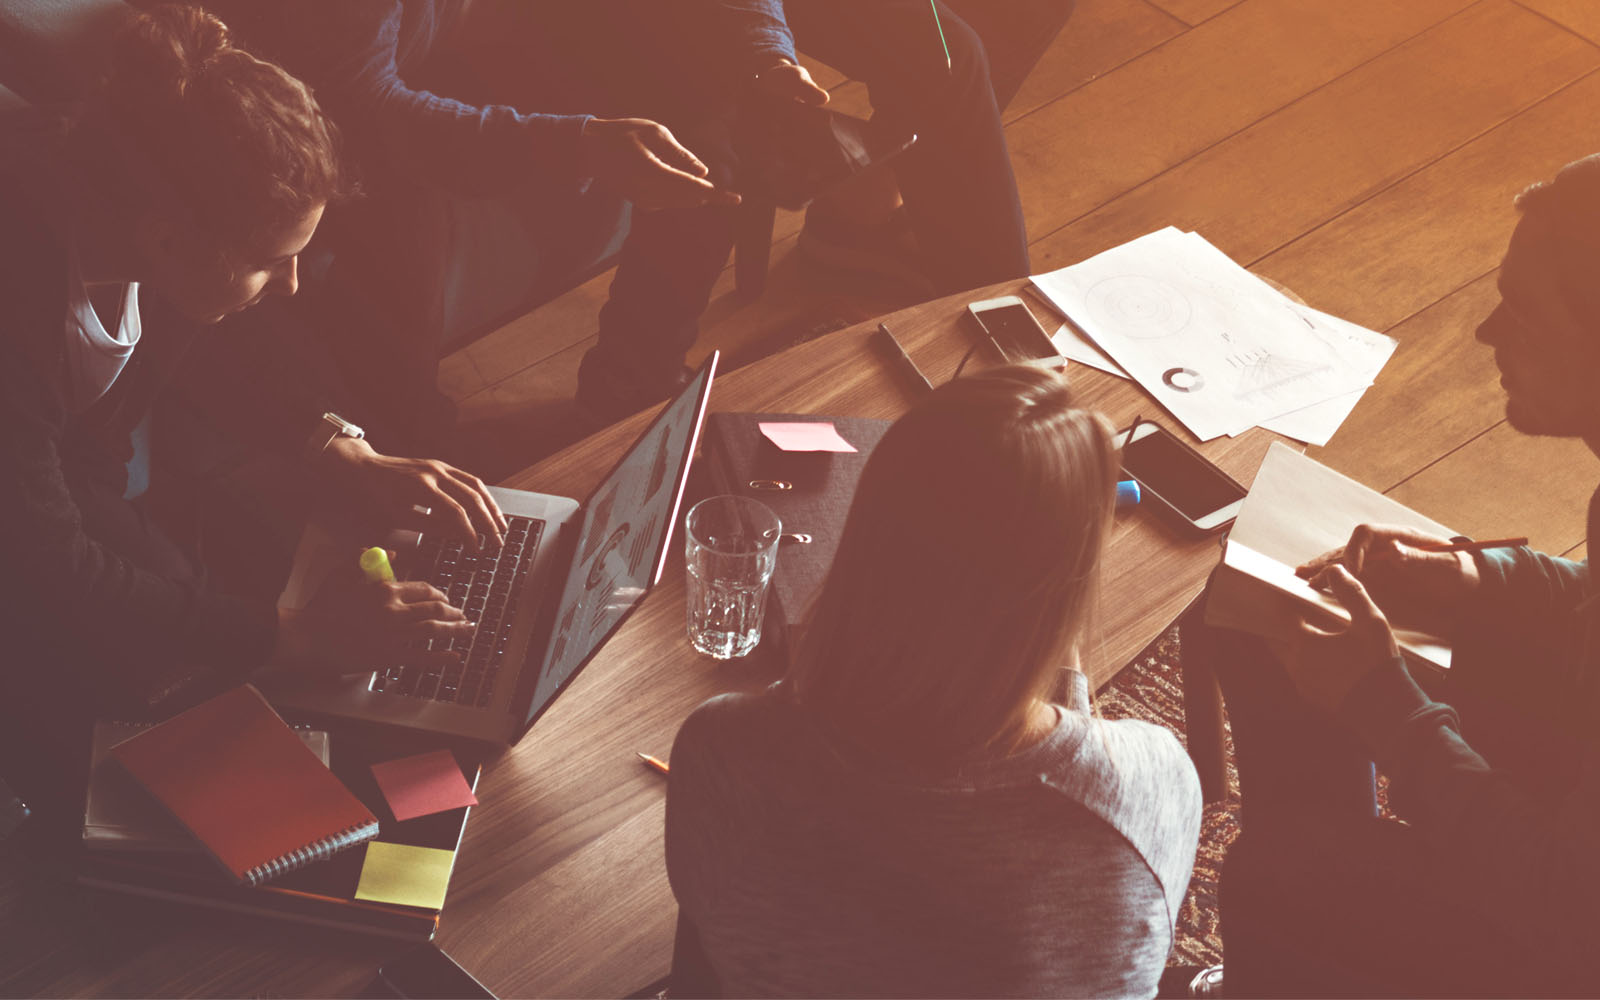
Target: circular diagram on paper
[(1139, 307), (1183, 379)]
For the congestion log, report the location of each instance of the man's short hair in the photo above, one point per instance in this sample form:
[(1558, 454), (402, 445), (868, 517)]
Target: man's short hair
[(1567, 208), (1576, 189)]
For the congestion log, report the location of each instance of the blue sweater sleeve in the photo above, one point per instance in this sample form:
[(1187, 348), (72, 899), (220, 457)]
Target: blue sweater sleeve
[(757, 33), (350, 52)]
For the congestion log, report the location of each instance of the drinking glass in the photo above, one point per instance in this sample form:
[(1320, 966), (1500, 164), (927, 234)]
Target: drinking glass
[(730, 550)]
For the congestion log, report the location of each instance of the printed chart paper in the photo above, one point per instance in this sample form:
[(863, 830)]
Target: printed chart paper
[(1211, 342)]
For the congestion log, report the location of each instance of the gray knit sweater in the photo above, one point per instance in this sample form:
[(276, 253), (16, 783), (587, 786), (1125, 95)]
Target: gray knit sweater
[(1058, 871)]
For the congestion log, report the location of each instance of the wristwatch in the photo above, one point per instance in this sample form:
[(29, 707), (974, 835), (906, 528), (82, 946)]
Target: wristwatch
[(331, 427)]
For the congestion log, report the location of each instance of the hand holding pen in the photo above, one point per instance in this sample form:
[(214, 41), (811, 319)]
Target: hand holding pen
[(1419, 580)]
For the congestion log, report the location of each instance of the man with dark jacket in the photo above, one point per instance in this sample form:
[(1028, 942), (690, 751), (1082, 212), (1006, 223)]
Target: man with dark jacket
[(1489, 885)]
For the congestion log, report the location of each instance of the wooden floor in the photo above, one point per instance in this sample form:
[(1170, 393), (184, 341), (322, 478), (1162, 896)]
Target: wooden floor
[(1361, 152)]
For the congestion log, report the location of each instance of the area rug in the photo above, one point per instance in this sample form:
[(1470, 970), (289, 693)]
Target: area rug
[(1151, 688)]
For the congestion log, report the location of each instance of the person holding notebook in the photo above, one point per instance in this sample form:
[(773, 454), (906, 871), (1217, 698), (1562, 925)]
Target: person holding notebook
[(181, 192), (926, 805), (1488, 887)]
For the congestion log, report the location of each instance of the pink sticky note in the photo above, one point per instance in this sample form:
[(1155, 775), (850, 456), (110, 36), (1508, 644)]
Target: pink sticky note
[(424, 784), (821, 436)]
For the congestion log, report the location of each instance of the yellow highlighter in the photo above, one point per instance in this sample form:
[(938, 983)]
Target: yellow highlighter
[(375, 564)]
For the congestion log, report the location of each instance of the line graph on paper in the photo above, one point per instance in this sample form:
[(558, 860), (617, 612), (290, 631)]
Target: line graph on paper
[(1261, 374)]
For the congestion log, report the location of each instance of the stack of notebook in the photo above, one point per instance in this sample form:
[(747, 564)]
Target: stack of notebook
[(225, 805)]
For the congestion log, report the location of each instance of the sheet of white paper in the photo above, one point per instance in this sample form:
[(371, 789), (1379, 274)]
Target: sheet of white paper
[(1073, 346), (1298, 509), (1208, 340), (1367, 351), (1316, 424)]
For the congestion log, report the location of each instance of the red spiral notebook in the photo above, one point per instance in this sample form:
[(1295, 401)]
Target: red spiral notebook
[(247, 787)]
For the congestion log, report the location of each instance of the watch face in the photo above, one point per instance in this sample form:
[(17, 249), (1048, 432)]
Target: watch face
[(342, 427)]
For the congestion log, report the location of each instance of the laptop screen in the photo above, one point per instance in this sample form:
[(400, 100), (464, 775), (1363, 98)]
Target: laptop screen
[(622, 538)]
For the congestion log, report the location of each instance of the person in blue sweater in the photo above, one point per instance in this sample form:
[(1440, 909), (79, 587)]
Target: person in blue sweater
[(559, 113), (1489, 885)]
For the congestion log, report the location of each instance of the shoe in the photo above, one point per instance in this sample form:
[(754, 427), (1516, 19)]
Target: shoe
[(1207, 983), (886, 250)]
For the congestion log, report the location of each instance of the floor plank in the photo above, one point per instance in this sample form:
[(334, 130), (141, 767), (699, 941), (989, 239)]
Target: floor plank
[(1483, 489), (1100, 36), (1580, 16), (1439, 391), (1444, 226), (542, 333), (1345, 142), (1150, 114), (1194, 11)]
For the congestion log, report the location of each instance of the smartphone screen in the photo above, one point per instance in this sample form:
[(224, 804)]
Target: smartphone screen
[(1181, 477), (1016, 331)]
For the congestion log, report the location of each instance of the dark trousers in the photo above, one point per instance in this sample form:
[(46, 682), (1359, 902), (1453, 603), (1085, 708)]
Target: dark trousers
[(624, 58), (960, 194), (1319, 897)]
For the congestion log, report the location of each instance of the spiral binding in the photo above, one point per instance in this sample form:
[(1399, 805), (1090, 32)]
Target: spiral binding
[(317, 850)]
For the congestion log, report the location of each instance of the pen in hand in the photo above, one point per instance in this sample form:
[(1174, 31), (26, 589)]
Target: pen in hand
[(1467, 545)]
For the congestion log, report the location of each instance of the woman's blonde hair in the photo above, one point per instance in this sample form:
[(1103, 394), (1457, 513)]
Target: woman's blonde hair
[(965, 573)]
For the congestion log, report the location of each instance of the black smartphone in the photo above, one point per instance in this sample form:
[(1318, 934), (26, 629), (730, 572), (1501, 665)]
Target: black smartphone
[(1179, 478), (1011, 325), (426, 972)]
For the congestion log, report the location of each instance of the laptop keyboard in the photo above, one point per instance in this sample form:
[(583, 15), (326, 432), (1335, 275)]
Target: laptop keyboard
[(486, 585)]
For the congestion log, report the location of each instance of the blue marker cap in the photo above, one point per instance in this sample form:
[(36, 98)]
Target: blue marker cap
[(1127, 493)]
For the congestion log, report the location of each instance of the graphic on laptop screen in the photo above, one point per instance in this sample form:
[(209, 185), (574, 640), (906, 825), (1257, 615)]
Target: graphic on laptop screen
[(623, 533)]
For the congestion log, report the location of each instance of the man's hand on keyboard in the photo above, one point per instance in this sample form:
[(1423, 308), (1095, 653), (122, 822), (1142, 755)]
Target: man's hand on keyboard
[(457, 503), (353, 625)]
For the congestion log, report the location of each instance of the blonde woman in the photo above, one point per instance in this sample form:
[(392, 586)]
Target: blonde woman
[(911, 811)]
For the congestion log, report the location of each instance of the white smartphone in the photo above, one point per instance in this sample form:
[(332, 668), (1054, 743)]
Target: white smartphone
[(1011, 325), (1179, 478)]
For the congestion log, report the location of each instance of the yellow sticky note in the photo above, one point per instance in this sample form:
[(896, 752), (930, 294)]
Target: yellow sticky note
[(410, 876)]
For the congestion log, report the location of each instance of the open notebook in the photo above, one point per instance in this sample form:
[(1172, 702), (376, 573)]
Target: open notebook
[(1297, 509)]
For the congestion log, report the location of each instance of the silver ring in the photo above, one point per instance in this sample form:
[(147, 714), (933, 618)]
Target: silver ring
[(424, 511)]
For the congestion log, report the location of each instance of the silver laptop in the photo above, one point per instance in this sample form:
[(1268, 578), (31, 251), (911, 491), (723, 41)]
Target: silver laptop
[(563, 582)]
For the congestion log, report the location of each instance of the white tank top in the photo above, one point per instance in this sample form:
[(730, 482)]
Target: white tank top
[(95, 357)]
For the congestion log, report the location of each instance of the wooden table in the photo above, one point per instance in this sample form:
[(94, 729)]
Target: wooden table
[(561, 887)]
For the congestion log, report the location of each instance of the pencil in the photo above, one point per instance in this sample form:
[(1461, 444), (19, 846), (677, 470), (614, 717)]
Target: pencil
[(1469, 546), (653, 763)]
